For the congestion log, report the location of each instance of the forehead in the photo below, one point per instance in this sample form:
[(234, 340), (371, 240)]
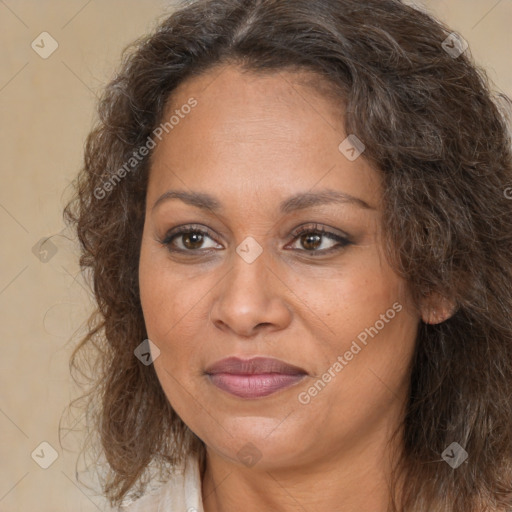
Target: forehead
[(224, 79), (253, 132)]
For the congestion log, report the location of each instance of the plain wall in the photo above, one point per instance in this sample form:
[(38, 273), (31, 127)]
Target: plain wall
[(47, 108)]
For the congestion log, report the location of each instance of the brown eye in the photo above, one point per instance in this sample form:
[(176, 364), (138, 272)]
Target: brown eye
[(192, 240), (316, 240), (310, 242)]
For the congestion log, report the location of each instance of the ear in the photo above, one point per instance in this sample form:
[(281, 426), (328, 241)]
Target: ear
[(435, 309)]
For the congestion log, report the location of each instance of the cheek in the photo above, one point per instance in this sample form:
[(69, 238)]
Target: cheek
[(169, 297), (169, 307), (376, 339), (350, 297), (366, 319), (175, 310)]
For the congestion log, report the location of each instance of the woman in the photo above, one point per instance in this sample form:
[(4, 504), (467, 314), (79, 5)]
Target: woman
[(297, 221)]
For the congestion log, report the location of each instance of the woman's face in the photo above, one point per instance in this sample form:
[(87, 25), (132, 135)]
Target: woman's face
[(259, 165)]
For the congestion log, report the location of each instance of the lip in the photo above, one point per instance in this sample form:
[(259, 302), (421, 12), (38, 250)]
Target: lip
[(253, 378)]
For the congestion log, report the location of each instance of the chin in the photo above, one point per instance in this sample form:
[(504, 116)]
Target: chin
[(256, 442)]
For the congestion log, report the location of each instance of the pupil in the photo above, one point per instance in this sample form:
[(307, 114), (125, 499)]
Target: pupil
[(310, 242), (192, 240)]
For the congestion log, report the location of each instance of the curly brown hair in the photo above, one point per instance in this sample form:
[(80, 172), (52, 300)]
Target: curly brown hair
[(433, 128)]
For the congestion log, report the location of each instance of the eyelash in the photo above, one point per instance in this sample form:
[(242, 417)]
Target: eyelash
[(309, 229)]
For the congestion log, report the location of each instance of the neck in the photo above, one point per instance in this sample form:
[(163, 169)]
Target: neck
[(351, 480)]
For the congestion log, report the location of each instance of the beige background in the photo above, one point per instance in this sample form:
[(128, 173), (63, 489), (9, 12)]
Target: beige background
[(46, 110)]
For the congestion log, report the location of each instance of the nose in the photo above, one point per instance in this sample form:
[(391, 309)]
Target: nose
[(250, 299)]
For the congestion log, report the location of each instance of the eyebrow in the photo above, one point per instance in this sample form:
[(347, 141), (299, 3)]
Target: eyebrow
[(296, 202), (309, 199)]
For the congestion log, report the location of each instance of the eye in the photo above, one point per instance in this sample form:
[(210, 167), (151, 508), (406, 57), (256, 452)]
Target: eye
[(189, 239), (314, 239)]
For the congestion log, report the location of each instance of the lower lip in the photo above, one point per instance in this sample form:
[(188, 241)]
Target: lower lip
[(254, 386)]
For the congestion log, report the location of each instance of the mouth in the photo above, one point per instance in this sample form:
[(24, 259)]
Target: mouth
[(253, 378)]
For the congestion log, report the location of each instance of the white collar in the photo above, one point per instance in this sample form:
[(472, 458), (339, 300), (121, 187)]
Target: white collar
[(181, 493)]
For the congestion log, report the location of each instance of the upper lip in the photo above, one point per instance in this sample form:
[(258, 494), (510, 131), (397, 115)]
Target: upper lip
[(253, 366)]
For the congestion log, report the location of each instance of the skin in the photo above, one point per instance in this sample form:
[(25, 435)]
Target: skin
[(253, 141)]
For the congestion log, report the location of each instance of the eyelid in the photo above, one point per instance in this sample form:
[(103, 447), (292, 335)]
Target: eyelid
[(187, 228), (341, 238), (306, 227), (315, 226)]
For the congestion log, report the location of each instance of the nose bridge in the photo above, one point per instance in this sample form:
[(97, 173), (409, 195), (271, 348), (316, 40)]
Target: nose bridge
[(248, 280), (249, 296)]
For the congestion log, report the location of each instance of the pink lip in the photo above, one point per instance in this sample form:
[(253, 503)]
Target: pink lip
[(253, 378)]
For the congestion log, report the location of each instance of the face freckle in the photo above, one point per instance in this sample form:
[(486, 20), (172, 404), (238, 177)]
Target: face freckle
[(241, 283)]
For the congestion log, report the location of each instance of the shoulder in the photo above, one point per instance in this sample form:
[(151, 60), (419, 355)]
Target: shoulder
[(181, 493)]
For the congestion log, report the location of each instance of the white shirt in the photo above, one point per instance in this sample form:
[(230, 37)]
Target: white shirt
[(182, 493)]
